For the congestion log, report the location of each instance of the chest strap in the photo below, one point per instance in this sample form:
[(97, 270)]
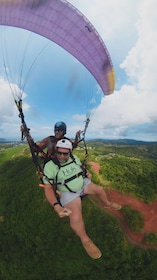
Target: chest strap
[(64, 182)]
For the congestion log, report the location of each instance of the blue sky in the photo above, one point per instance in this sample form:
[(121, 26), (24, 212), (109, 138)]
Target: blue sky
[(59, 88)]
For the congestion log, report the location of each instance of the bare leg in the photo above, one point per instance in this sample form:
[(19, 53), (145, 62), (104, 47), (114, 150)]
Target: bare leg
[(76, 220), (98, 191), (77, 224), (94, 189)]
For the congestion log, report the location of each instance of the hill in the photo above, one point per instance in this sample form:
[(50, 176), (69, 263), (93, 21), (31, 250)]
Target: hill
[(127, 142), (35, 244), (101, 140), (2, 140)]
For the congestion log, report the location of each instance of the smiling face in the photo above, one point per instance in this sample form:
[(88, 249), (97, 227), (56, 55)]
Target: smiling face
[(63, 154)]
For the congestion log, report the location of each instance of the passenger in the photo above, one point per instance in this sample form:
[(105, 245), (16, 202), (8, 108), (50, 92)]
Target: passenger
[(72, 184)]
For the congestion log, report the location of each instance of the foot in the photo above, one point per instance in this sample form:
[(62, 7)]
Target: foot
[(92, 250), (114, 206)]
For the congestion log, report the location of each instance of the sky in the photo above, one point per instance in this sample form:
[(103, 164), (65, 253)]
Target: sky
[(129, 31)]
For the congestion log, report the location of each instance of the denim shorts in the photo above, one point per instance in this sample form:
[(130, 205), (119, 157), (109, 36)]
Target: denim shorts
[(67, 197)]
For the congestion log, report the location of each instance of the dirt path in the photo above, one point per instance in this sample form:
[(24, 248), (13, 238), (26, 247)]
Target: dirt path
[(149, 213)]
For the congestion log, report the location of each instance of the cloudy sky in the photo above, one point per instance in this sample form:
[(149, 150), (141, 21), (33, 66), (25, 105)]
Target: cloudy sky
[(129, 30)]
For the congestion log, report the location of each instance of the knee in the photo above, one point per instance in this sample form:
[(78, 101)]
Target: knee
[(76, 223), (99, 190), (75, 218)]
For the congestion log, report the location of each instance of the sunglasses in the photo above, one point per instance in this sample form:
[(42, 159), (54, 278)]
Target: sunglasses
[(64, 154), (58, 130)]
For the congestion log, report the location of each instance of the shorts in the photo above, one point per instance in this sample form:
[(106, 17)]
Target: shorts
[(67, 197)]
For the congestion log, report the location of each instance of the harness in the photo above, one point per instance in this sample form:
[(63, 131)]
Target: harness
[(64, 182), (25, 133), (35, 150)]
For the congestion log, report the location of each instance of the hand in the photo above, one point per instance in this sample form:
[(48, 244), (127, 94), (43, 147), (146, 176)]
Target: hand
[(78, 134), (24, 130), (89, 175), (62, 212)]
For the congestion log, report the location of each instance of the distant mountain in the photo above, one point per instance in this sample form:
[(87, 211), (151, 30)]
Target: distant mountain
[(100, 140), (2, 140), (122, 141), (5, 141)]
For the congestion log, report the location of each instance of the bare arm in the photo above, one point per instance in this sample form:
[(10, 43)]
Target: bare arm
[(51, 198), (44, 143)]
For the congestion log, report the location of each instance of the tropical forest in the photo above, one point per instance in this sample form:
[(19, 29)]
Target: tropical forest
[(35, 244)]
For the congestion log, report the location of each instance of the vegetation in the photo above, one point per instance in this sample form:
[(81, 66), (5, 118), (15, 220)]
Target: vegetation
[(35, 244), (130, 169), (133, 219), (150, 238)]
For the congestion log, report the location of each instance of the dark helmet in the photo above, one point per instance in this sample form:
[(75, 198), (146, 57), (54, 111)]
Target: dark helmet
[(60, 126)]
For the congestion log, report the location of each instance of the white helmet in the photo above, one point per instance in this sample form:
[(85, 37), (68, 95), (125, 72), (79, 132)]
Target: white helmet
[(64, 143)]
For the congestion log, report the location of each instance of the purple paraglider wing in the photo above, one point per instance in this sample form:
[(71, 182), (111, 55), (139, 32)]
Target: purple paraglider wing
[(63, 24)]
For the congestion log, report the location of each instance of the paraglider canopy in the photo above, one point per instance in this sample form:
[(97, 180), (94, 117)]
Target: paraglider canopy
[(63, 24)]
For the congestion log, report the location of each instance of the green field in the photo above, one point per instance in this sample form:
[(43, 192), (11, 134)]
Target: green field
[(129, 169), (35, 244)]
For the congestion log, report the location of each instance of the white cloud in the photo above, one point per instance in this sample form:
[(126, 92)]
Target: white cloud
[(135, 103), (8, 110), (6, 100), (109, 17), (123, 109), (140, 64), (129, 29)]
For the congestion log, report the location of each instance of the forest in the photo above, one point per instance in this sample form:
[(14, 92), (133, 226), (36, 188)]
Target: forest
[(36, 244)]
